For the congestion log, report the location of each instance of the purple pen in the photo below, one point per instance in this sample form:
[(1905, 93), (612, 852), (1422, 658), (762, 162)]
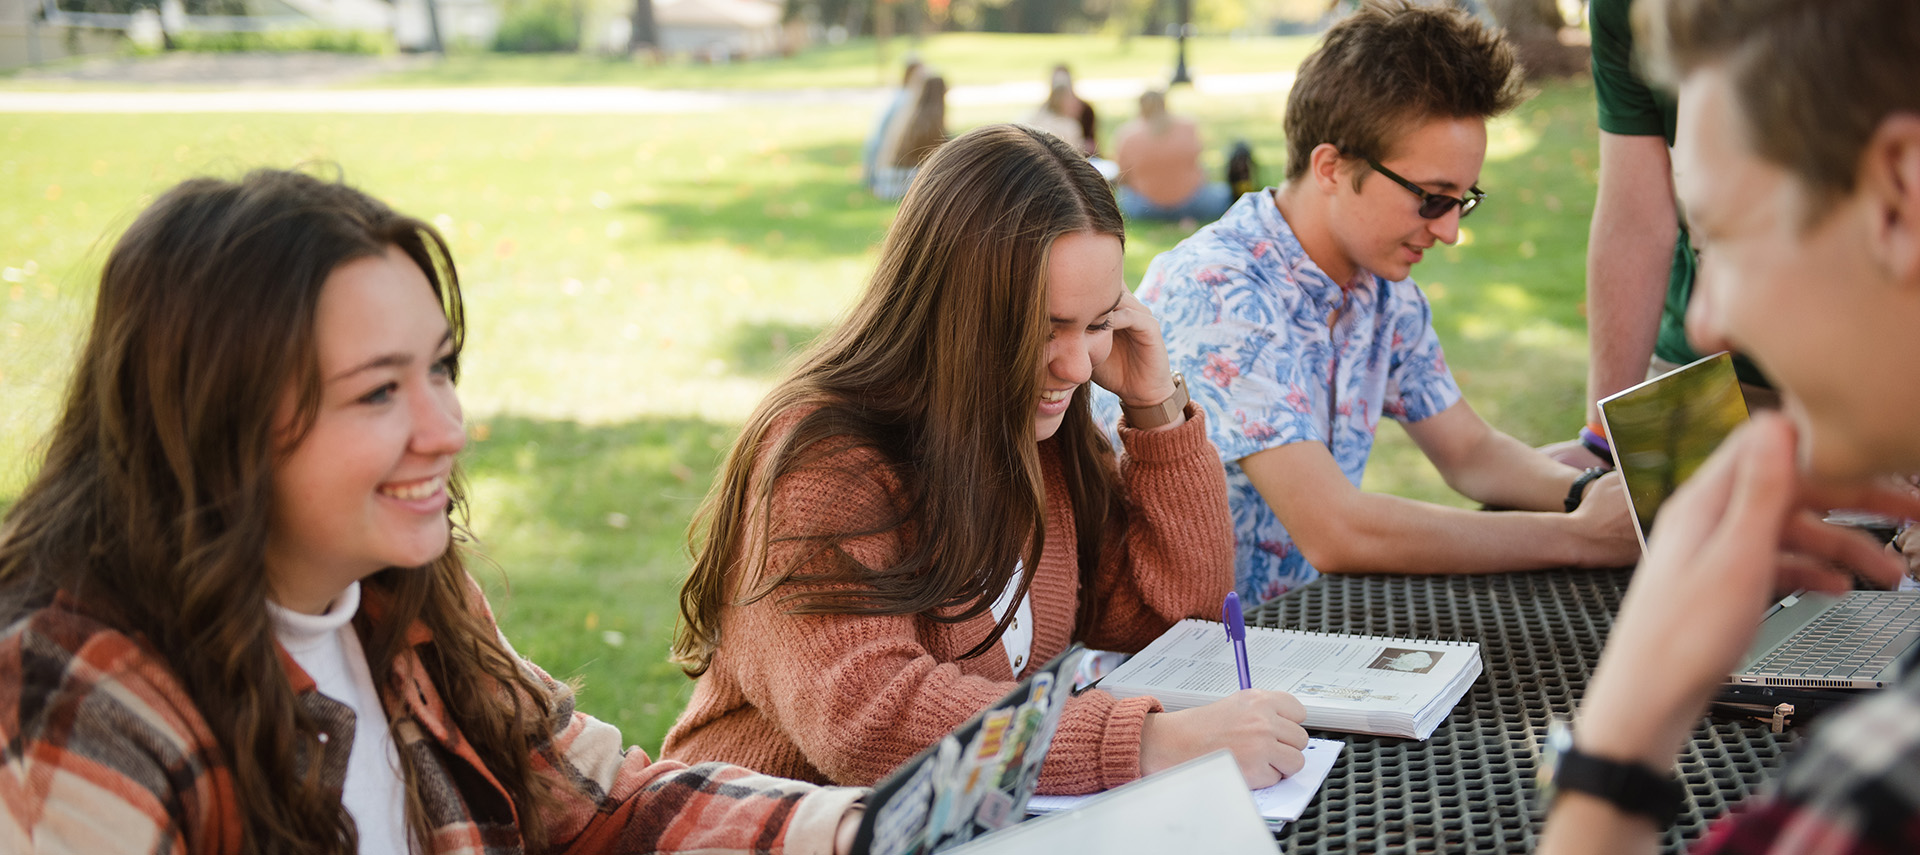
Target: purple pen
[(1237, 634)]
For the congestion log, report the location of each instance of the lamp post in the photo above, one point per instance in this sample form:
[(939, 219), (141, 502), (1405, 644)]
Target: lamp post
[(1180, 74)]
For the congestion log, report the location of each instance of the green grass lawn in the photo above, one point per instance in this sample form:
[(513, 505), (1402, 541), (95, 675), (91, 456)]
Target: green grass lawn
[(635, 282), (966, 57)]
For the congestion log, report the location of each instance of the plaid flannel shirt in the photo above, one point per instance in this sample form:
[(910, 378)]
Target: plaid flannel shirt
[(101, 751), (1854, 789)]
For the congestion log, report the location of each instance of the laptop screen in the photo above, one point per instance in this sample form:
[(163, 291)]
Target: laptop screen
[(1663, 429)]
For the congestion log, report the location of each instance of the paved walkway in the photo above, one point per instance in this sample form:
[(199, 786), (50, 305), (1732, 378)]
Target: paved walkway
[(190, 69), (568, 100)]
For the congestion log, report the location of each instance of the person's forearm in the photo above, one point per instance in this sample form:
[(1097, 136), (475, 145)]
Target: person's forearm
[(1618, 723), (1625, 297), (1504, 472), (1380, 533), (1580, 823), (1175, 556), (1629, 260)]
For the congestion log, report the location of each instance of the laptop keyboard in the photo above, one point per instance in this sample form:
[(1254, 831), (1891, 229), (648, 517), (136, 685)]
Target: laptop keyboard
[(1855, 638)]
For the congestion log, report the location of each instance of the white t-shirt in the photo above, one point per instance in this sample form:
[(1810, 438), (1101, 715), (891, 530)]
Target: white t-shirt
[(327, 648), (1018, 639)]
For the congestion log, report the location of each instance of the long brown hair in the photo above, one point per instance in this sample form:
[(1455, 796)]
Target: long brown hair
[(153, 505), (937, 368)]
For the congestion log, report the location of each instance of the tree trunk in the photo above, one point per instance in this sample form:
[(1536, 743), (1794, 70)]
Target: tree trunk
[(1534, 28), (644, 35), (436, 44)]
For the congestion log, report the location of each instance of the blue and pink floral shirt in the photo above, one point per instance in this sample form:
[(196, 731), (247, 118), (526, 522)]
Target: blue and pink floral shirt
[(1279, 353)]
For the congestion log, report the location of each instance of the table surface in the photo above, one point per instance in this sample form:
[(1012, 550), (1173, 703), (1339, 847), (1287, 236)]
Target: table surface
[(1470, 787)]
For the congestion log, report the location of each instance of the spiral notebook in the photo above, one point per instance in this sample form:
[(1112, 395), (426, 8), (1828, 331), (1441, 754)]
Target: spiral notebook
[(1349, 683)]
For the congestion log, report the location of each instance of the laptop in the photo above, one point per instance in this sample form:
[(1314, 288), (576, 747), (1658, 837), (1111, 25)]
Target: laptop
[(975, 780), (1662, 431)]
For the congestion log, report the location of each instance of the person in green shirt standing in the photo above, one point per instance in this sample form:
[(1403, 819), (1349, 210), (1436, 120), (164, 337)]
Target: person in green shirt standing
[(1640, 262)]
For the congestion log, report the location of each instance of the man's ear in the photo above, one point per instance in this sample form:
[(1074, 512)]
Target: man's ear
[(1890, 176), (1324, 166)]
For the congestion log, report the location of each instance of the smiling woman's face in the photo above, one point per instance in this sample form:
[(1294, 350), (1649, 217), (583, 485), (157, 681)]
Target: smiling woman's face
[(1084, 284), (366, 488)]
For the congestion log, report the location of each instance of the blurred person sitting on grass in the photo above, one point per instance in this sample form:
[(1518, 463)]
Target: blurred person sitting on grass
[(1295, 321), (923, 512), (911, 139), (897, 102), (1160, 176), (1060, 115), (1798, 163), (1078, 110), (236, 610)]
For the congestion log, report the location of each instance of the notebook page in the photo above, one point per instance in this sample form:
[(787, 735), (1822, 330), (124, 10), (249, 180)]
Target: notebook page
[(1282, 802)]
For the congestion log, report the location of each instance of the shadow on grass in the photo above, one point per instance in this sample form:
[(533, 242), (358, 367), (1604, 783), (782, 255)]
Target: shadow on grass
[(813, 207), (584, 528)]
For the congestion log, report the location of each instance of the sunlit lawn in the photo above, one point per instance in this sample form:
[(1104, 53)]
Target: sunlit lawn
[(634, 283), (967, 57)]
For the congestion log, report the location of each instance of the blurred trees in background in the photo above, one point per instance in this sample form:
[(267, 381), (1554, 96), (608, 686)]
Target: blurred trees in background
[(864, 17), (124, 7), (1537, 27)]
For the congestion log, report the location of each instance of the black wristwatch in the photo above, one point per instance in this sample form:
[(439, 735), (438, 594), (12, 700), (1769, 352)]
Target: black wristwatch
[(1631, 787), (1579, 489)]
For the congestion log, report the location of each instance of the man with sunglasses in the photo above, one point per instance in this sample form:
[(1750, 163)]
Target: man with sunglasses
[(1295, 324)]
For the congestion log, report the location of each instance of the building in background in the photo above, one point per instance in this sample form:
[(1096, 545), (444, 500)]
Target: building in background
[(23, 42), (719, 30)]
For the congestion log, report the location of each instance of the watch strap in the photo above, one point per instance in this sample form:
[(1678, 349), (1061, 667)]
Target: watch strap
[(1161, 414), (1631, 787), (1579, 489)]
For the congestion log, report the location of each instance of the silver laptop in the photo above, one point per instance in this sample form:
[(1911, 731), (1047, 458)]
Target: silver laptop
[(1664, 429)]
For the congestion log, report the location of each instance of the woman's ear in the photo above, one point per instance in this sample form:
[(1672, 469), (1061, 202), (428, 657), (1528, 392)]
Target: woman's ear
[(1890, 178)]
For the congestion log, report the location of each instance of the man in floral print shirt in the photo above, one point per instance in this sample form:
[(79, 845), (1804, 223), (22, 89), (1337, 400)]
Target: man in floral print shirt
[(1296, 326)]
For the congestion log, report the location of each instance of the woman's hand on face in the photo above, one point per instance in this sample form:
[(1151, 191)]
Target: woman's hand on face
[(1261, 728), (1136, 369)]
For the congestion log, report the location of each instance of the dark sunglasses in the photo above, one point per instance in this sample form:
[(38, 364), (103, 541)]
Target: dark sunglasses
[(1433, 206)]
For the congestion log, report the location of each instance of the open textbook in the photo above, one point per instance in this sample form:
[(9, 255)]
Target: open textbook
[(1351, 683), (1278, 805)]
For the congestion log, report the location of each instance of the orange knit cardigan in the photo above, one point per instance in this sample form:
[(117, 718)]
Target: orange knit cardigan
[(846, 698)]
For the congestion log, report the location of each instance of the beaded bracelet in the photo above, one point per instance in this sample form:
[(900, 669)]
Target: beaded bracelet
[(1596, 443)]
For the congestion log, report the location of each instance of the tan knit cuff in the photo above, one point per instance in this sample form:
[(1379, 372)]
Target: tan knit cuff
[(1120, 752), (1163, 446), (816, 820)]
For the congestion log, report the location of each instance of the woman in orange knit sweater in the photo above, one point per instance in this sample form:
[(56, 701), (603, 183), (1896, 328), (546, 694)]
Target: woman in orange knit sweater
[(923, 510)]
